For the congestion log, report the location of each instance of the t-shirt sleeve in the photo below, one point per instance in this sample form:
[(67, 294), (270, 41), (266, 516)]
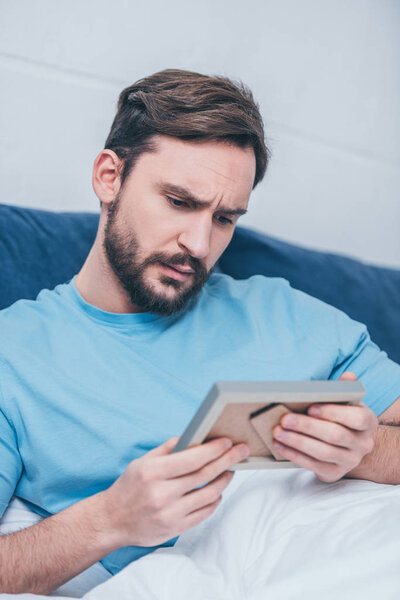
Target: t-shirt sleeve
[(359, 354), (10, 460), (345, 345)]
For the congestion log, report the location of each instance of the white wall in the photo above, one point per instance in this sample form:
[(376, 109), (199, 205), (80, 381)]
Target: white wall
[(326, 75)]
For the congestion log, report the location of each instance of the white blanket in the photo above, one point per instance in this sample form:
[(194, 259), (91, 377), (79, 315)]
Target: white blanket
[(279, 535)]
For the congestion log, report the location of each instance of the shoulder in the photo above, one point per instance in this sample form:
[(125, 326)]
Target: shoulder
[(225, 286), (24, 318), (269, 292), (273, 299)]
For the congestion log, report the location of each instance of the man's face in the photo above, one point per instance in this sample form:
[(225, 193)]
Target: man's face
[(174, 217)]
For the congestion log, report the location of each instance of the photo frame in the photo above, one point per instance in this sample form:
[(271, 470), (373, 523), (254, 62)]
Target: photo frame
[(247, 411)]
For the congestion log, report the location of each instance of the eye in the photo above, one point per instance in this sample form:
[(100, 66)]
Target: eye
[(176, 203), (225, 221)]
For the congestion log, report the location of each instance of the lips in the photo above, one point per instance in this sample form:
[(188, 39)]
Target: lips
[(176, 274), (180, 269)]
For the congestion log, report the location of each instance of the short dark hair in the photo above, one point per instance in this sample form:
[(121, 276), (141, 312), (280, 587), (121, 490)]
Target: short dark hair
[(189, 106)]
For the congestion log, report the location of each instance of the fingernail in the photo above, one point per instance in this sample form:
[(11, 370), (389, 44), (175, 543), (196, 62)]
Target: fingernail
[(228, 443), (289, 420), (278, 446), (245, 451), (314, 411), (280, 434)]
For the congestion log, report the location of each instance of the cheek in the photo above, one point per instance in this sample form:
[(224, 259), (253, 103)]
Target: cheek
[(219, 242), (153, 232), (223, 239)]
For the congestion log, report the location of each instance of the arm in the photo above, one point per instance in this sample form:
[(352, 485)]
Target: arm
[(155, 499), (331, 440), (383, 463), (344, 441), (42, 557)]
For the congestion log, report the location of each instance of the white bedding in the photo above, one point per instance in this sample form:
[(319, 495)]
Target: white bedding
[(278, 535)]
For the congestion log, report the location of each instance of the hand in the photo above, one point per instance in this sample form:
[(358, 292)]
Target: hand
[(331, 440), (156, 499)]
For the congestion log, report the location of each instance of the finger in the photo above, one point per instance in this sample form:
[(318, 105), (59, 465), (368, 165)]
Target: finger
[(199, 515), (348, 376), (211, 470), (191, 459), (206, 495), (331, 433), (314, 448), (324, 471), (358, 417), (165, 448)]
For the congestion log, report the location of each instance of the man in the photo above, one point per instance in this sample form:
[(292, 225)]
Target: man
[(98, 373)]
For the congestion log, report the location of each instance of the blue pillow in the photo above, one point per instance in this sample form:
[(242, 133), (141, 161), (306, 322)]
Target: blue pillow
[(39, 249)]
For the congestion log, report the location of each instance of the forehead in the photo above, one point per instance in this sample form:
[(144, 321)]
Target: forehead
[(208, 169)]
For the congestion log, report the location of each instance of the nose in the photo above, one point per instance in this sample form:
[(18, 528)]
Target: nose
[(196, 237)]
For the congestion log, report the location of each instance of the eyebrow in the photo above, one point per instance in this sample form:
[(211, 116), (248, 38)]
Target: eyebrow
[(185, 194)]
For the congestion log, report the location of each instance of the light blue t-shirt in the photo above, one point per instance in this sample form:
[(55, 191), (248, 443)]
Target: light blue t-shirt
[(83, 392)]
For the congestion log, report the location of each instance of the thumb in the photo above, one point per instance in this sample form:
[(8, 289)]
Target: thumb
[(165, 448), (348, 376)]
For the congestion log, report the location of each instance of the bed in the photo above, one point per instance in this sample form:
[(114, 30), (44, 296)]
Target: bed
[(277, 534)]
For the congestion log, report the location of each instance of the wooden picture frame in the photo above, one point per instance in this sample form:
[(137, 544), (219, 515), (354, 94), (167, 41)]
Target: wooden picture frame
[(247, 411)]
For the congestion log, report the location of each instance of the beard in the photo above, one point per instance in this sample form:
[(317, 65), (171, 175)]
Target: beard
[(123, 254)]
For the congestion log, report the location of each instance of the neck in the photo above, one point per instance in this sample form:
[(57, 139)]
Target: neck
[(98, 285)]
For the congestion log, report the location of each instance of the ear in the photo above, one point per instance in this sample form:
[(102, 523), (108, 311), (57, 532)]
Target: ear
[(106, 177)]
